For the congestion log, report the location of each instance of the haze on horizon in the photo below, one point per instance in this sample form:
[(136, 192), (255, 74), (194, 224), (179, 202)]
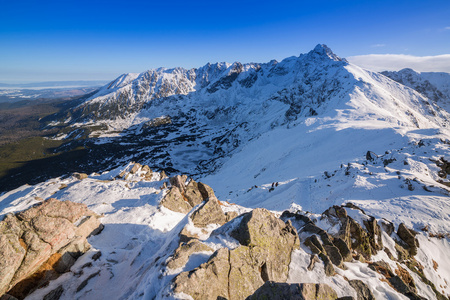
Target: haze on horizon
[(85, 40)]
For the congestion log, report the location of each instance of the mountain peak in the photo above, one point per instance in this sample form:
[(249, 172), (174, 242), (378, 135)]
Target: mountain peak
[(323, 51)]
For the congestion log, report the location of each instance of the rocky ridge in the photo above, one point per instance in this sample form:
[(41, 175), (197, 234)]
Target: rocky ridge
[(220, 250), (259, 265)]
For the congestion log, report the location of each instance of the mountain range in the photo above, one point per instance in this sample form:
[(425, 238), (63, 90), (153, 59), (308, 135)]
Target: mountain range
[(305, 137)]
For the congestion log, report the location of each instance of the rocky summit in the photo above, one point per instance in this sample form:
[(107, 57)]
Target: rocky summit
[(308, 178)]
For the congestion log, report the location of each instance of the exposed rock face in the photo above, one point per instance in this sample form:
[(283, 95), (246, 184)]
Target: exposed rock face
[(182, 253), (264, 254), (178, 181), (135, 168), (182, 198), (193, 195), (174, 200), (296, 291), (362, 290), (41, 242), (408, 236), (209, 213), (209, 281)]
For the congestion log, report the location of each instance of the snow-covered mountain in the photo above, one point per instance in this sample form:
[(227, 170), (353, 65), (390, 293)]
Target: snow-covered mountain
[(433, 85), (192, 120), (302, 134)]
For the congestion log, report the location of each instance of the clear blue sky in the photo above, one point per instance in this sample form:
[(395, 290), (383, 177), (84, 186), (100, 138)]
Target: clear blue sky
[(88, 40)]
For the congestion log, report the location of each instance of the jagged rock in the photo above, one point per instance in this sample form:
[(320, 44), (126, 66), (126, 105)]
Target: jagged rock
[(374, 232), (209, 213), (146, 169), (408, 236), (230, 215), (179, 181), (344, 250), (404, 288), (162, 175), (359, 239), (34, 242), (314, 259), (175, 201), (297, 216), (387, 226), (206, 191), (80, 176), (402, 253), (209, 281), (334, 255), (314, 244), (362, 290), (329, 269), (264, 254), (406, 278), (350, 237), (135, 168), (295, 291), (312, 228), (193, 194), (184, 251)]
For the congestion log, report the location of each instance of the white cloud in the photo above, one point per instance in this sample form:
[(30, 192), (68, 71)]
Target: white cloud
[(395, 62), (378, 45), (447, 28)]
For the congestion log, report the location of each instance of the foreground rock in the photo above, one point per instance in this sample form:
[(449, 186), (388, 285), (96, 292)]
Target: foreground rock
[(42, 242), (264, 254), (182, 198)]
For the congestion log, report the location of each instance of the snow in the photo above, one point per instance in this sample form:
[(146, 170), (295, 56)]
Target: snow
[(318, 160)]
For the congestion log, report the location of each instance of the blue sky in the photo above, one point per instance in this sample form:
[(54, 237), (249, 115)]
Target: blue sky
[(90, 40)]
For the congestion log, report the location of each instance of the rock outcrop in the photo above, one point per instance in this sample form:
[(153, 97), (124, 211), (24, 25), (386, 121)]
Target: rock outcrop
[(182, 198), (42, 242), (264, 254), (209, 213)]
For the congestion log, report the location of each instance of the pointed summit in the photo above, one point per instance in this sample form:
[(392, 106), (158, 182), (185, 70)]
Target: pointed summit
[(322, 51)]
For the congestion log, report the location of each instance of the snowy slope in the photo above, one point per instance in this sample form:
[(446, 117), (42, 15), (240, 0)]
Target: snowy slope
[(434, 85), (140, 236)]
